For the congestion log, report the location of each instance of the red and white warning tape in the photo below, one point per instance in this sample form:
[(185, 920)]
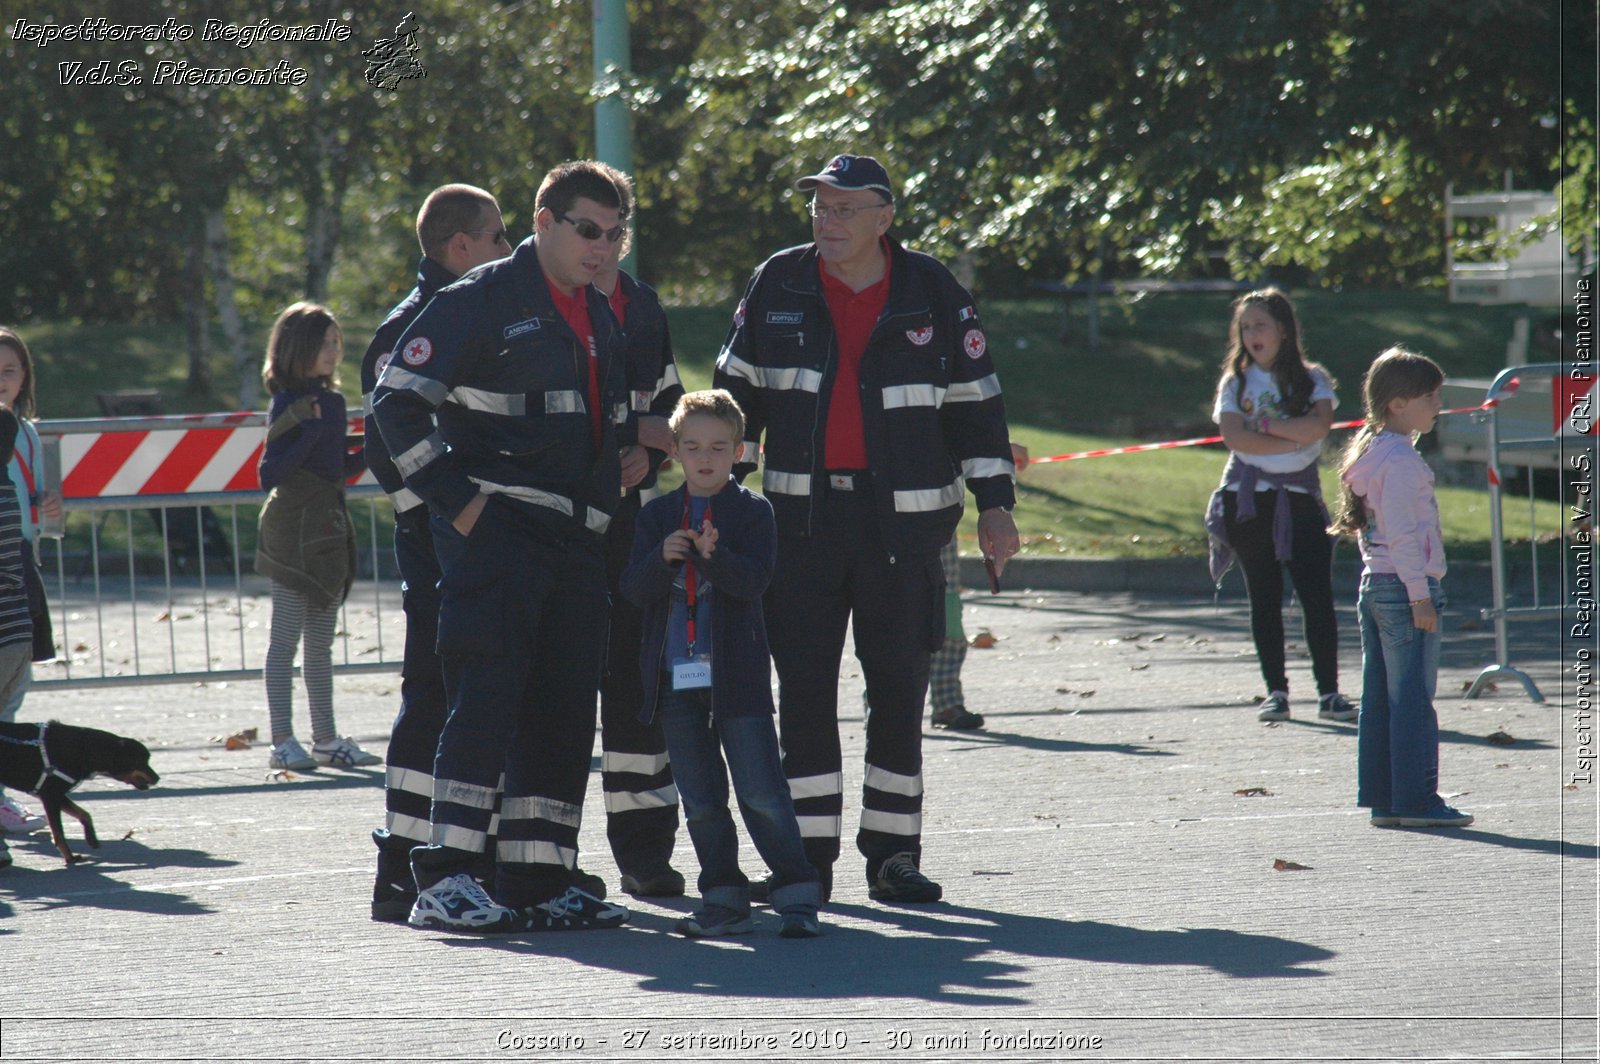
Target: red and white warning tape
[(1200, 441)]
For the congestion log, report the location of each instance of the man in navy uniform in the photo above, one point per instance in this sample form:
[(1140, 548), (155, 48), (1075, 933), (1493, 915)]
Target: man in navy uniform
[(505, 407), (864, 369)]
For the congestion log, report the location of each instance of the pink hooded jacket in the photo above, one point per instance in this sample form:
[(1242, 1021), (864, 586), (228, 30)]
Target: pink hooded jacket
[(1402, 534)]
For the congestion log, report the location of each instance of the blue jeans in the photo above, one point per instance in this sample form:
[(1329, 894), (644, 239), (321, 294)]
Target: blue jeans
[(695, 744), (1397, 746)]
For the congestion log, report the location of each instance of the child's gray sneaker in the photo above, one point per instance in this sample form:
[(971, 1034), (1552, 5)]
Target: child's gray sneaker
[(716, 920), (799, 925)]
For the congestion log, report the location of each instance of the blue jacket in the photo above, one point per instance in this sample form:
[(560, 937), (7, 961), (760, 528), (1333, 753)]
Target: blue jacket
[(488, 390), (431, 276), (740, 569), (931, 405)]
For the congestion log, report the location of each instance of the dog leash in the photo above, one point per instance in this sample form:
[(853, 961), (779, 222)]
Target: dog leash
[(48, 769)]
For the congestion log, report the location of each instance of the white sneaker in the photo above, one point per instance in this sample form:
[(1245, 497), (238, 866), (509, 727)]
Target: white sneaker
[(290, 754), (343, 753), (18, 819), (459, 903)]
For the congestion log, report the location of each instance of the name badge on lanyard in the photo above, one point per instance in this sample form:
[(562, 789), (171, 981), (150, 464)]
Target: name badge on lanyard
[(694, 670)]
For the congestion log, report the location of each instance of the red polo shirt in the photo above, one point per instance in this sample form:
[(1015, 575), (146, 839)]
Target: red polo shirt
[(575, 310), (854, 315)]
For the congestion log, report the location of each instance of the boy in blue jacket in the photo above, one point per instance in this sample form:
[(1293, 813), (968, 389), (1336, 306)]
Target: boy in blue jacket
[(702, 557)]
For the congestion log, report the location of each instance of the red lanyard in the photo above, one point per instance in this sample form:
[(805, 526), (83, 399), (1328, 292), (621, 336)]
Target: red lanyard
[(690, 578)]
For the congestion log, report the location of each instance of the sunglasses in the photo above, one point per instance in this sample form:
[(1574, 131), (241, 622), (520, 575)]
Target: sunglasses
[(590, 231), (500, 235)]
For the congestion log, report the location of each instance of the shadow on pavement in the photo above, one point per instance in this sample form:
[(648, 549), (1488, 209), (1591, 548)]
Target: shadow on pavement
[(44, 882), (953, 955)]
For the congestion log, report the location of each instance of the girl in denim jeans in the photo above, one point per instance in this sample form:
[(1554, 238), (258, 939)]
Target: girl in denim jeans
[(1389, 505)]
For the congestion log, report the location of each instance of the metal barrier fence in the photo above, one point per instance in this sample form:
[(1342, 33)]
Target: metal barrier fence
[(151, 583), (1566, 436)]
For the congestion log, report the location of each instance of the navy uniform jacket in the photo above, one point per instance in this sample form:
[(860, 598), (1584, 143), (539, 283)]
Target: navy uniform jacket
[(931, 406), (431, 276), (652, 371), (494, 363)]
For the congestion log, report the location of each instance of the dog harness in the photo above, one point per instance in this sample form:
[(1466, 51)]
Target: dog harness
[(47, 769)]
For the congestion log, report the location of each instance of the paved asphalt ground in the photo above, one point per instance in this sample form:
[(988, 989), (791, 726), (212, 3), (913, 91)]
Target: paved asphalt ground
[(1109, 849)]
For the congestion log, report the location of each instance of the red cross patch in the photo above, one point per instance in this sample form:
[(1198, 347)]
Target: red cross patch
[(975, 344), (418, 351), (921, 336), (382, 363)]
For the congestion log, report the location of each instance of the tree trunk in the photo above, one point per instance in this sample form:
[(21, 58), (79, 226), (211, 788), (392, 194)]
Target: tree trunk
[(194, 311), (245, 368)]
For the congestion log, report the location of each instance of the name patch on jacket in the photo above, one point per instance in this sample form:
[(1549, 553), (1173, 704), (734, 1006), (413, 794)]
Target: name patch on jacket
[(785, 317), (514, 331)]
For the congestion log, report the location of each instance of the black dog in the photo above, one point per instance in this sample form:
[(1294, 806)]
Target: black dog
[(50, 759)]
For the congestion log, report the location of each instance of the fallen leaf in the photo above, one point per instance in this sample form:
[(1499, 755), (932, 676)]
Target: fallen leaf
[(1253, 792), (234, 742), (1139, 668), (980, 872), (1280, 865), (1158, 638), (128, 836), (984, 640), (1085, 694), (1053, 639), (1502, 738), (1570, 786), (166, 615), (281, 775), (1063, 690)]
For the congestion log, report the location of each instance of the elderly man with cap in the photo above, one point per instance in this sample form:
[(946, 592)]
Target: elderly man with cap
[(863, 368)]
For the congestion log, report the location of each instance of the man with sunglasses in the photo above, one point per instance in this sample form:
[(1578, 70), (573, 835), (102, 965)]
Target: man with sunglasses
[(459, 228), (505, 407), (865, 368)]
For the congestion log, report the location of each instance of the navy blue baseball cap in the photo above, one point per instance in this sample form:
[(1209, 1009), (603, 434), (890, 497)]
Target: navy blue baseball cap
[(850, 172)]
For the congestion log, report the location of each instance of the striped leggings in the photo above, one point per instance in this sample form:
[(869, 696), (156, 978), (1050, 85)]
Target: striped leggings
[(292, 615)]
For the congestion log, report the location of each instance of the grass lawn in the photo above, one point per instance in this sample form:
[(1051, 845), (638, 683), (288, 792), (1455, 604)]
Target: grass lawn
[(1151, 377)]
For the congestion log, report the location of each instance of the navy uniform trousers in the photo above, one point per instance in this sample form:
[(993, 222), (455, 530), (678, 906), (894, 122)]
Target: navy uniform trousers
[(844, 573), (414, 739), (641, 799), (522, 631)]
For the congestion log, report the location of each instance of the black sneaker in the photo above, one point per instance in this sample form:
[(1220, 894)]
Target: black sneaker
[(572, 911), (664, 882), (391, 903), (761, 889), (899, 880), (591, 885), (957, 718)]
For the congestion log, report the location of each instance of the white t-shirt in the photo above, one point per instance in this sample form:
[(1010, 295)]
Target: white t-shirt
[(1260, 396)]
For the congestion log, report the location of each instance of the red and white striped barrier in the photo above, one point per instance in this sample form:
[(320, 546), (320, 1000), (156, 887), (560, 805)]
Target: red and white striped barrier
[(185, 455)]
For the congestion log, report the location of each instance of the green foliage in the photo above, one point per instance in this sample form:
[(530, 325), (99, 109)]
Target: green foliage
[(1037, 138)]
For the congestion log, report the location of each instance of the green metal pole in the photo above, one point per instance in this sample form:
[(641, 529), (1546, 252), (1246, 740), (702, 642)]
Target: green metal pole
[(613, 129)]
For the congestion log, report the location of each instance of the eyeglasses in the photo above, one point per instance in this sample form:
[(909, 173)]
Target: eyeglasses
[(838, 213), (592, 231), (500, 235)]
